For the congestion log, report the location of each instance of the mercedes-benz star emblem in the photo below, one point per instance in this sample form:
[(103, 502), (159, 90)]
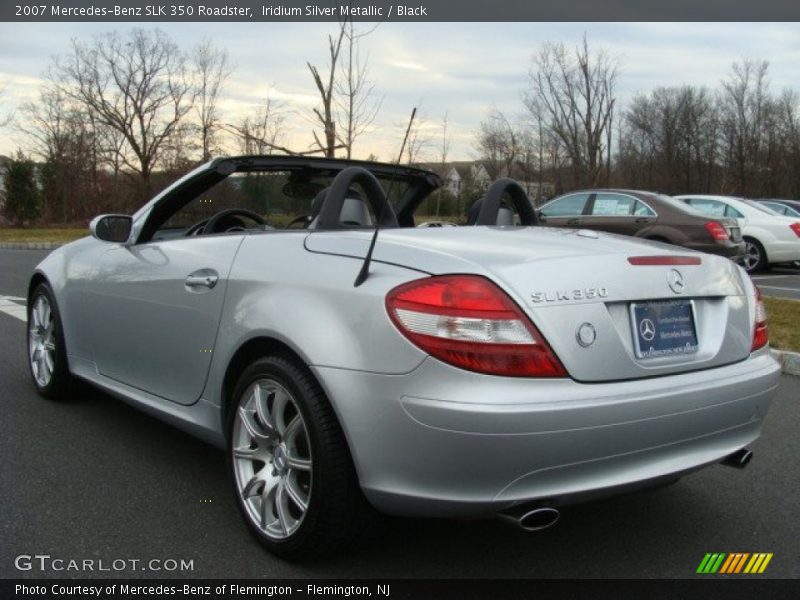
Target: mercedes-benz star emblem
[(647, 330), (675, 281)]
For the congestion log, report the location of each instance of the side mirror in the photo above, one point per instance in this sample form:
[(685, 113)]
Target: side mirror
[(112, 228)]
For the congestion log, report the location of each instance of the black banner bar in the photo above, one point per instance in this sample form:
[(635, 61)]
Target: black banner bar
[(411, 10), (481, 589)]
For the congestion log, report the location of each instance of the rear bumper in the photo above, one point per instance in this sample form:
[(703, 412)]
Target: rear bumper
[(440, 441)]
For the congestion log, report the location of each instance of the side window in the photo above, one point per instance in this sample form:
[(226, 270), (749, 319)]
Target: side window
[(568, 206), (616, 205), (732, 212), (709, 207), (642, 210)]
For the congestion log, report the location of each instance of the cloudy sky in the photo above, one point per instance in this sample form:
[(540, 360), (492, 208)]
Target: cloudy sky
[(462, 69)]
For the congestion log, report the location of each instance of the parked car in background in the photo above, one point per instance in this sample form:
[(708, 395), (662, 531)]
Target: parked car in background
[(788, 208), (770, 238), (645, 215)]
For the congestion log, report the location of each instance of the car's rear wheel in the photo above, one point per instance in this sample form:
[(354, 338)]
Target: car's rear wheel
[(755, 258), (47, 354), (290, 466)]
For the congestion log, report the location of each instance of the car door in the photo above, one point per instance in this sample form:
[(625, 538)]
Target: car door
[(618, 213), (156, 307), (566, 211)]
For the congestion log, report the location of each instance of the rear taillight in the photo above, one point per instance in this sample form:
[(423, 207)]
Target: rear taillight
[(469, 322), (717, 231), (760, 335), (796, 228)]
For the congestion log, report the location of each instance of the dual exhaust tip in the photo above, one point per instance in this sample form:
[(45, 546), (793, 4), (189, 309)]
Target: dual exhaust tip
[(540, 517)]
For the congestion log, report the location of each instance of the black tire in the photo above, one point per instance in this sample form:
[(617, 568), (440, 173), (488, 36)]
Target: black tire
[(755, 258), (337, 514), (61, 383)]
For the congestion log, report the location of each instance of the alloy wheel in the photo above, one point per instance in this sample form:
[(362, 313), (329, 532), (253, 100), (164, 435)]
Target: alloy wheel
[(752, 256), (42, 341), (272, 458)]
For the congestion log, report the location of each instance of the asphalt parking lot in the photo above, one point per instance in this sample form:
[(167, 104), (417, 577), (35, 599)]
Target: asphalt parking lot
[(93, 478), (780, 282)]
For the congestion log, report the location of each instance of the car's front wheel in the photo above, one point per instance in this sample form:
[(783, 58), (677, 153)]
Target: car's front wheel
[(290, 466), (47, 353)]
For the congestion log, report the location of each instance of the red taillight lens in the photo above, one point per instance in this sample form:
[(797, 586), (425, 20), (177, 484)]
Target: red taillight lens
[(717, 231), (468, 322), (796, 228), (760, 335)]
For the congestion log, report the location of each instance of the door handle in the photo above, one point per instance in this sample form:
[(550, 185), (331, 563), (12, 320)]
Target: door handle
[(643, 220), (573, 221), (204, 278)]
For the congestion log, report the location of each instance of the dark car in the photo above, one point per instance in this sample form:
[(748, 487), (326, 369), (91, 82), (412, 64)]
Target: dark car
[(789, 208), (645, 215)]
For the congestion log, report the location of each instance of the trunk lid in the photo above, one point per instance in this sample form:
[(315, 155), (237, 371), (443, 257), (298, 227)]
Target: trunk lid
[(577, 284)]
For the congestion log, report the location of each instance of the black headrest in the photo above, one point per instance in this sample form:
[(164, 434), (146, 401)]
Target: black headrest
[(505, 215)]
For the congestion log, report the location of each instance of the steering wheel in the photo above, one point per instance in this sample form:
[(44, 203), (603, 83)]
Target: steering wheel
[(332, 205), (217, 222), (519, 199)]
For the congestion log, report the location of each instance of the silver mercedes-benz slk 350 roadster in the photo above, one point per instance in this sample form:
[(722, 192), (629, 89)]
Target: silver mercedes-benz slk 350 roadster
[(353, 364)]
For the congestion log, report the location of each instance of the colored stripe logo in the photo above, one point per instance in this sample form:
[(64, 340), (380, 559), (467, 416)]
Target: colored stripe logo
[(734, 563)]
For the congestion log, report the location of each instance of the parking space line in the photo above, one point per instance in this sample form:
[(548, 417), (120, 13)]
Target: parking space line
[(13, 306)]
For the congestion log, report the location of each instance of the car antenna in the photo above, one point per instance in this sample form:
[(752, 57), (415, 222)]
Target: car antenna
[(364, 272)]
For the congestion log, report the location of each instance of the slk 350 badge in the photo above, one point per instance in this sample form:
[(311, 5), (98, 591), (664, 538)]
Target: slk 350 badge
[(569, 295)]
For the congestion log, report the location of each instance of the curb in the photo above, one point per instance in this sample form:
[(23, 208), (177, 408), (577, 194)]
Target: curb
[(30, 245), (790, 361)]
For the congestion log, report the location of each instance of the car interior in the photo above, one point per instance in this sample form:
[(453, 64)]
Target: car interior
[(240, 198)]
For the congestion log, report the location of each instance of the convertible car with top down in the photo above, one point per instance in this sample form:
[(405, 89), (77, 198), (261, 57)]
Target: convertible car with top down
[(352, 364)]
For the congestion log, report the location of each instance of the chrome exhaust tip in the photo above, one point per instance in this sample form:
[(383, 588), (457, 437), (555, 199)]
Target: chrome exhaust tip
[(536, 519), (738, 459)]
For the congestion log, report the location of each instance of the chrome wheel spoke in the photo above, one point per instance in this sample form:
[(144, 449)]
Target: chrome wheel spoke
[(253, 428), (260, 398), (266, 501), (279, 404), (48, 362), (282, 509), (253, 487), (246, 453), (298, 497), (298, 464)]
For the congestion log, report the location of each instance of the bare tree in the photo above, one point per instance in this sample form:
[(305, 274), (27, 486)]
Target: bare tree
[(211, 70), (355, 98), (8, 118), (138, 85), (575, 91), (745, 106), (324, 114), (418, 139), (497, 144), (263, 131), (63, 139)]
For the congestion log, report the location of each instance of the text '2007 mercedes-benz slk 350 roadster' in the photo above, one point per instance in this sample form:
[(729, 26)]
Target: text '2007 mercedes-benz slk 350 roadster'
[(353, 364)]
